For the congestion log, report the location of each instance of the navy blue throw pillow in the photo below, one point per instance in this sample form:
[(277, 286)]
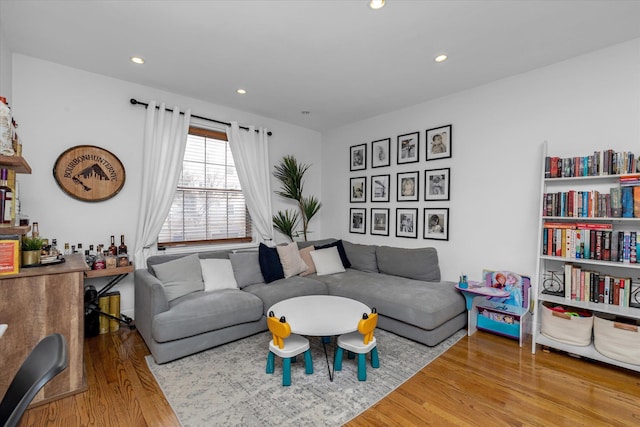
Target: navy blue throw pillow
[(270, 265), (343, 255)]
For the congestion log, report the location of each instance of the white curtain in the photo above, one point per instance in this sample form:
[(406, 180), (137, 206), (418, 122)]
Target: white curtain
[(165, 139), (251, 155)]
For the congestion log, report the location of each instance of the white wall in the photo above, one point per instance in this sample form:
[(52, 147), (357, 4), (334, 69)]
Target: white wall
[(58, 107), (5, 68), (587, 103)]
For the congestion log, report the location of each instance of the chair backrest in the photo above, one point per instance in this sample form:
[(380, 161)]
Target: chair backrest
[(279, 328), (47, 359), (367, 325)]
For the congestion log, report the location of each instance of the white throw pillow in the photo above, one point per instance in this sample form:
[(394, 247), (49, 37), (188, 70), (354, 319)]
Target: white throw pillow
[(217, 274), (327, 261), (292, 263)]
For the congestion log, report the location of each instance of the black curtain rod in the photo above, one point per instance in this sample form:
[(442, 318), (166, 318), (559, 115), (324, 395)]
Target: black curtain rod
[(136, 102)]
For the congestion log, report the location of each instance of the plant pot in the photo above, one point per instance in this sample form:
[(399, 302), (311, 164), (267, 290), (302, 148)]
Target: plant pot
[(31, 257)]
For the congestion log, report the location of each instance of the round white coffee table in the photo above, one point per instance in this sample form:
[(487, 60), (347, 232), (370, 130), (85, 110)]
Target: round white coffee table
[(321, 316)]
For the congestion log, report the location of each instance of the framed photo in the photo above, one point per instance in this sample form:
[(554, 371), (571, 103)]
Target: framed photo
[(380, 154), (408, 186), (358, 157), (408, 147), (436, 223), (380, 188), (358, 189), (407, 223), (439, 141), (437, 184), (357, 221), (380, 221)]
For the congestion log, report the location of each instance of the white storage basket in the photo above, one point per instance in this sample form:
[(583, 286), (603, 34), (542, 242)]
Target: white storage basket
[(617, 340), (564, 328)]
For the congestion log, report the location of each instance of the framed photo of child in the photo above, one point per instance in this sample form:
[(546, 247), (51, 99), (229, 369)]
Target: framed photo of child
[(380, 153), (358, 220), (437, 184), (358, 160), (380, 221), (439, 142), (408, 186), (380, 188), (436, 223), (408, 147), (407, 223), (358, 190)]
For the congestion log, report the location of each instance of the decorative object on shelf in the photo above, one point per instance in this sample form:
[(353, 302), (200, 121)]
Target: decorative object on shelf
[(437, 184), (439, 142), (31, 250), (407, 222), (408, 186), (358, 220), (89, 173), (436, 223), (380, 188), (380, 221), (408, 147), (9, 254), (380, 153), (358, 159), (290, 173), (358, 189)]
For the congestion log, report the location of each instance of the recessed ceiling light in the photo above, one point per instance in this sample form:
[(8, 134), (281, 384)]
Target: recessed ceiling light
[(241, 91), (376, 4), (137, 60), (440, 58)]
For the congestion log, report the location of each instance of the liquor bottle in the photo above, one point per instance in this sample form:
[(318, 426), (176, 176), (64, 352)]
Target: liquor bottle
[(6, 198), (35, 230), (113, 250), (80, 250), (67, 249), (110, 260), (54, 247), (122, 249), (99, 263)]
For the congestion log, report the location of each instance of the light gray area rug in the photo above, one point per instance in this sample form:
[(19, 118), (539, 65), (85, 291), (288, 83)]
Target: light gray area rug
[(228, 386)]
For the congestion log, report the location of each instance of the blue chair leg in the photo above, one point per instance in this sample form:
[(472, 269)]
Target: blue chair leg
[(270, 363), (362, 367), (293, 359), (308, 363), (337, 360), (286, 371), (375, 362), (351, 355)]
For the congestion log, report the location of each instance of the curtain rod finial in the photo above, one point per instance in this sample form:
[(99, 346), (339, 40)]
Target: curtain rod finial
[(133, 101)]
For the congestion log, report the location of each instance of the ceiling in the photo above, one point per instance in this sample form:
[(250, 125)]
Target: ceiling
[(338, 60)]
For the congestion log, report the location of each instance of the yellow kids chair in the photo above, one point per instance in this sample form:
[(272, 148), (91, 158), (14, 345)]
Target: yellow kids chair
[(287, 347), (360, 342)]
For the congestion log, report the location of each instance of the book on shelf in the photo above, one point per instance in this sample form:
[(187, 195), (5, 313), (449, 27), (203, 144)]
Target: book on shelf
[(588, 285), (607, 162), (103, 305)]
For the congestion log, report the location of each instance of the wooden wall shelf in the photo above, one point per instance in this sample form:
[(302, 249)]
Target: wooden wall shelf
[(17, 163)]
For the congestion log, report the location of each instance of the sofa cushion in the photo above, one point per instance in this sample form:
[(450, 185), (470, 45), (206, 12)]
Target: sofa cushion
[(362, 257), (286, 288), (217, 274), (418, 264), (327, 261), (305, 254), (343, 256), (246, 268), (180, 277), (292, 263), (202, 312), (270, 263)]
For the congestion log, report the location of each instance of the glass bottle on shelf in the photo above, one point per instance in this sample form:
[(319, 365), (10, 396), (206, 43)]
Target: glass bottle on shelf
[(67, 249), (54, 247), (110, 260), (99, 263), (113, 250), (6, 197), (35, 230), (122, 249)]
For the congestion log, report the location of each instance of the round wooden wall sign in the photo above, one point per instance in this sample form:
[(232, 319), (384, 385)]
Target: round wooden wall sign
[(89, 173)]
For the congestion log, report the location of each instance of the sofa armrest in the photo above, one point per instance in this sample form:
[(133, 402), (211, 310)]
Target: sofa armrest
[(150, 300)]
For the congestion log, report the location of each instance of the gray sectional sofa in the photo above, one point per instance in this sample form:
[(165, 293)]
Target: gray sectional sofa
[(403, 284)]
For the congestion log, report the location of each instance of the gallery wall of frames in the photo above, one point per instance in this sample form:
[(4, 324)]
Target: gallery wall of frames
[(400, 190)]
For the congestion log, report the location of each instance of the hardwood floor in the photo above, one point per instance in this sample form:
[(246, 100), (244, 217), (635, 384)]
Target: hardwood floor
[(483, 380)]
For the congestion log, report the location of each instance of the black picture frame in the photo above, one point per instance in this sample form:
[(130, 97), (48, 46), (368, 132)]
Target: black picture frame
[(439, 142), (358, 220), (358, 189), (436, 223), (380, 188), (407, 222), (408, 186), (634, 296), (358, 157), (380, 221), (408, 148), (437, 184), (381, 153)]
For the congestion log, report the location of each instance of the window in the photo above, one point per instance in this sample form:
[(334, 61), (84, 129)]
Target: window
[(208, 206)]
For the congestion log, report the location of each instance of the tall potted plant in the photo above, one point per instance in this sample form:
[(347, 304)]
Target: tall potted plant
[(290, 173)]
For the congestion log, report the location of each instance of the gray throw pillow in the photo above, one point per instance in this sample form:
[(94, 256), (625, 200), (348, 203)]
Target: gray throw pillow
[(362, 257), (180, 277), (246, 268), (418, 264)]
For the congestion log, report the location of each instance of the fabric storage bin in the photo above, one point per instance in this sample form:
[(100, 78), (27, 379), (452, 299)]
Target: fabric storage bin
[(563, 327), (617, 338)]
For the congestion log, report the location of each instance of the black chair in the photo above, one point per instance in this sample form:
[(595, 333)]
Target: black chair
[(46, 360)]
